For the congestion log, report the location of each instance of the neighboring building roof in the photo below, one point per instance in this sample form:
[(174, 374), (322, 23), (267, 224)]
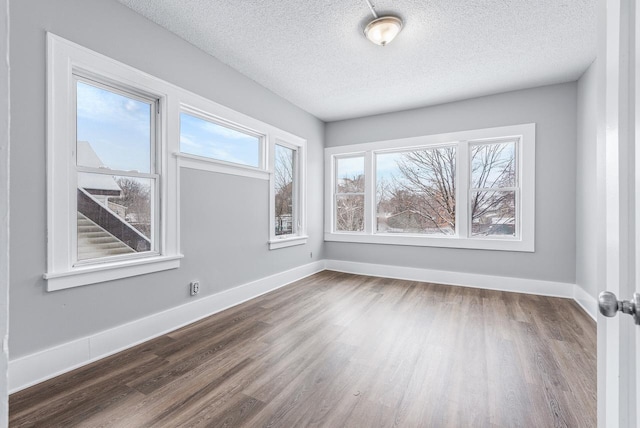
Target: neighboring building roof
[(95, 183)]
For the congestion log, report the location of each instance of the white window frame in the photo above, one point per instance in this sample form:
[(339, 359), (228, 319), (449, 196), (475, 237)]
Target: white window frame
[(64, 60), (334, 197), (525, 198), (156, 146), (198, 106), (204, 112), (517, 189), (299, 236)]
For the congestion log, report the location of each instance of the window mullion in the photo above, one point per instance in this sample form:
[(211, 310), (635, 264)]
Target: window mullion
[(463, 210), (106, 171), (369, 193), (493, 189)]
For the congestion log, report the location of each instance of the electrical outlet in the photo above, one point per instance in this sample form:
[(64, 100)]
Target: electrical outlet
[(195, 287)]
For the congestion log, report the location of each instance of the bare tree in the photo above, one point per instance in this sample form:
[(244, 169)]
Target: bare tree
[(423, 195), (492, 167), (426, 186), (136, 200), (350, 203), (351, 184), (283, 175)]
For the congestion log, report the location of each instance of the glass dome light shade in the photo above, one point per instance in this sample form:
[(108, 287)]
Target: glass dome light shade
[(383, 30)]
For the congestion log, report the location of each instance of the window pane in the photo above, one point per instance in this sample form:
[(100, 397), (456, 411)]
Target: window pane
[(113, 131), (350, 175), (350, 213), (114, 215), (493, 213), (493, 165), (207, 139), (284, 173), (415, 191)]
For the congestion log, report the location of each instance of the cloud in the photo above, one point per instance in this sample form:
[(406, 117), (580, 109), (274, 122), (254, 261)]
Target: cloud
[(211, 128), (100, 105), (187, 140)]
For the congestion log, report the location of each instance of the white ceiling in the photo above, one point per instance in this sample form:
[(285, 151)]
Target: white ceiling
[(313, 53)]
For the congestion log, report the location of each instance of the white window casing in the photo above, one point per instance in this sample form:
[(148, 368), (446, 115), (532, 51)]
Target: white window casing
[(524, 137), (64, 59), (270, 136), (208, 110), (299, 235), (65, 62)]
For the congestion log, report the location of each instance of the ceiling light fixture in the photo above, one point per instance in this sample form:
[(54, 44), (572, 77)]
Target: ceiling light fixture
[(383, 29)]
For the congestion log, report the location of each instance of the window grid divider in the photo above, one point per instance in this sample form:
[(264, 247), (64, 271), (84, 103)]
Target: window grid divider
[(462, 197)]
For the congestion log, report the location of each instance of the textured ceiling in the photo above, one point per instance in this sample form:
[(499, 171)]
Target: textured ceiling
[(313, 53)]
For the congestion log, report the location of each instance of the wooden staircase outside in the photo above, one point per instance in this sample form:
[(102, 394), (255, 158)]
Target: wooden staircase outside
[(95, 242)]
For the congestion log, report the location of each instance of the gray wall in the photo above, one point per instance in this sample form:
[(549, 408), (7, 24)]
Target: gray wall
[(4, 211), (223, 247), (586, 197), (553, 109)]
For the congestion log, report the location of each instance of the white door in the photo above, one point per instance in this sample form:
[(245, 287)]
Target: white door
[(618, 191)]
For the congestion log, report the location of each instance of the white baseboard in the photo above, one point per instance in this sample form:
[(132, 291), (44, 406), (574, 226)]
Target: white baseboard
[(474, 280), (501, 283), (38, 367), (586, 301)]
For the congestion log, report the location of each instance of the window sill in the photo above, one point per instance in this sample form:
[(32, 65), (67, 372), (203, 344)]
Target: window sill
[(212, 165), (432, 241), (96, 273), (287, 242)]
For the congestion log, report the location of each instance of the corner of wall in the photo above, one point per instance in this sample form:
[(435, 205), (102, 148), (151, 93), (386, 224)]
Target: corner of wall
[(586, 202)]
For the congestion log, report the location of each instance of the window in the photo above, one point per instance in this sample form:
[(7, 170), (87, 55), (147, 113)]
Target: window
[(112, 201), (117, 140), (117, 180), (494, 188), (287, 184), (415, 191), (208, 139), (217, 139), (349, 194), (471, 189), (286, 195)]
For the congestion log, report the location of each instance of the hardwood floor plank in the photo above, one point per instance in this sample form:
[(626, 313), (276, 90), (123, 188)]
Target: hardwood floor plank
[(342, 350)]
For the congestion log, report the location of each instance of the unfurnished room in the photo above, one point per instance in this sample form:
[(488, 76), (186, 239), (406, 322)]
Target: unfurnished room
[(355, 213)]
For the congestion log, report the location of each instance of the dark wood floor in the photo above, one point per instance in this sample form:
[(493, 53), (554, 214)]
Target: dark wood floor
[(340, 350)]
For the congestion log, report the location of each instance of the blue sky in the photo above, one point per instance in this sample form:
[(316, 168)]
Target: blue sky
[(387, 165), (203, 138), (117, 128), (350, 167)]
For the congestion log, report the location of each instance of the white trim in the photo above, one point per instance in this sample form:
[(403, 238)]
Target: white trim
[(289, 241), (525, 241), (299, 145), (473, 280), (210, 117), (473, 136), (205, 164), (93, 274), (64, 58), (586, 301), (40, 366), (442, 241)]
